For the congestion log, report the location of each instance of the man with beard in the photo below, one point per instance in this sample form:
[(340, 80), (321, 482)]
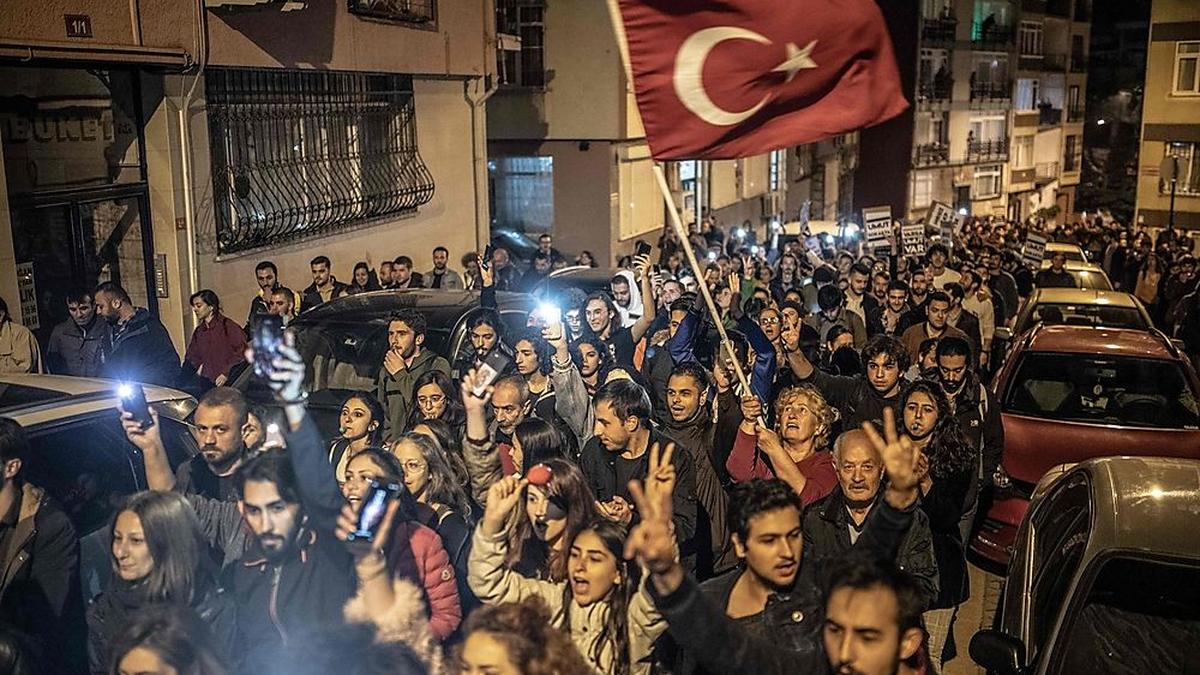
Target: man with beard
[(918, 300), (859, 398), (325, 286), (768, 618), (889, 315), (219, 427), (139, 348), (75, 344), (689, 421), (977, 414), (604, 320), (858, 300), (936, 325), (295, 576), (267, 276), (833, 526), (485, 331), (283, 304), (405, 361), (441, 276)]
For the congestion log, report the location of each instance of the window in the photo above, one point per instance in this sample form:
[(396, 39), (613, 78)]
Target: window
[(987, 182), (524, 67), (1027, 94), (1188, 180), (775, 170), (1031, 38), (922, 189), (418, 12), (522, 193), (1060, 535), (300, 153), (1095, 389), (1022, 152), (1072, 153), (1187, 67)]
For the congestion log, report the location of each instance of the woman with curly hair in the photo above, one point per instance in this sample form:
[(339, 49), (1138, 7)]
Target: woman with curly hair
[(516, 638), (948, 467), (797, 450)]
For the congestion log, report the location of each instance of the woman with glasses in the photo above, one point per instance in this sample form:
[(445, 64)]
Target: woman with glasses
[(410, 550), (796, 448), (436, 398)]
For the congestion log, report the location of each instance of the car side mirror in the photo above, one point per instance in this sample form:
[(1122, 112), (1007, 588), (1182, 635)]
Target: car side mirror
[(1003, 333), (998, 652)]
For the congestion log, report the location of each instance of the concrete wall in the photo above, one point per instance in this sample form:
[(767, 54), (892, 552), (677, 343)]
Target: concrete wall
[(443, 124)]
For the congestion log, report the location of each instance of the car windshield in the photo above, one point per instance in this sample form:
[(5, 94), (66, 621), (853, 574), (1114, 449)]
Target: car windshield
[(1139, 616), (1091, 280), (16, 395), (1096, 389), (1105, 316), (1071, 253)]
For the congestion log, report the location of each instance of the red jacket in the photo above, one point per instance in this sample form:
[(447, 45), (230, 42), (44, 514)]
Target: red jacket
[(216, 346), (417, 554), (745, 463)]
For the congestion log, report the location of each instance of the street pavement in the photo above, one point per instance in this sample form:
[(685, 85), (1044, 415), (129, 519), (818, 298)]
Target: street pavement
[(974, 614)]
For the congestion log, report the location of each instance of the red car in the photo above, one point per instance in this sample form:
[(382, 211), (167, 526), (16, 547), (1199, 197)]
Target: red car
[(1070, 393)]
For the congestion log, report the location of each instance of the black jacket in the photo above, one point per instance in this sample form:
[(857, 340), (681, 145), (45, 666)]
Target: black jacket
[(39, 582), (311, 297), (599, 468), (141, 351), (279, 602), (790, 642), (853, 396), (109, 613), (827, 535), (944, 506)]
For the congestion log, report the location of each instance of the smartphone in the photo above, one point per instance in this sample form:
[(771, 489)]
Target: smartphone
[(374, 506), (642, 248), (493, 365), (487, 256), (273, 437), (133, 401), (266, 339)]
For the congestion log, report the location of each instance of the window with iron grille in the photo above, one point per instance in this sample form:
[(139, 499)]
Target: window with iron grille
[(524, 67), (302, 153), (415, 12)]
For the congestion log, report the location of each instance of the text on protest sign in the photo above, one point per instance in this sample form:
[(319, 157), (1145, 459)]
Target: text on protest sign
[(912, 238), (1035, 250), (877, 222)]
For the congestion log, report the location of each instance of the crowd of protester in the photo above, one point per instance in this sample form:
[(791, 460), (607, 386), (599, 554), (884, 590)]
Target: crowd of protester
[(632, 494)]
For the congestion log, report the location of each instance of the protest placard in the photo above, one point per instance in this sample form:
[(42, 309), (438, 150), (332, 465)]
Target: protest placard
[(912, 238), (1034, 250), (943, 217), (877, 224)]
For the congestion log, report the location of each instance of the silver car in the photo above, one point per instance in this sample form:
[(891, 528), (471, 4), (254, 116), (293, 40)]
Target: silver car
[(1105, 574)]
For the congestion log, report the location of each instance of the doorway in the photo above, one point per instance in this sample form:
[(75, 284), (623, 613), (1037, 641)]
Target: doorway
[(79, 239)]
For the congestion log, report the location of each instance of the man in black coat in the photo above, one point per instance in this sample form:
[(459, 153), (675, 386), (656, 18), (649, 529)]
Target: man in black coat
[(325, 286), (39, 563), (139, 349)]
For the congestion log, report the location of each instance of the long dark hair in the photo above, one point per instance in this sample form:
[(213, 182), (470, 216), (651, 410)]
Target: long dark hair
[(209, 297), (948, 451), (182, 571), (615, 630), (393, 472), (442, 485), (176, 634), (450, 441), (374, 438), (569, 489), (540, 441), (454, 413)]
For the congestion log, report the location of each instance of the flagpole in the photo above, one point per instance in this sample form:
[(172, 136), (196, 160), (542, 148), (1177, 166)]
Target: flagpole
[(614, 15)]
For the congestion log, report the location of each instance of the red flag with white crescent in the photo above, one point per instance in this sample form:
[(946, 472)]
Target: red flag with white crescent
[(719, 79)]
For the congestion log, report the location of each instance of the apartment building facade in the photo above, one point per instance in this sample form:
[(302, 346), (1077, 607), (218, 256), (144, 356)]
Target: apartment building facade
[(174, 147), (1171, 117)]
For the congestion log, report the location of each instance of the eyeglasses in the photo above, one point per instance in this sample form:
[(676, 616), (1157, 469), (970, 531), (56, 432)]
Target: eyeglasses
[(769, 321), (414, 466), (430, 400)]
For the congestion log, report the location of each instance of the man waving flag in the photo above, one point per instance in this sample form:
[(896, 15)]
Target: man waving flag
[(719, 79)]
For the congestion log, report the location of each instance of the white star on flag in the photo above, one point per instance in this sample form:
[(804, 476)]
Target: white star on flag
[(797, 60)]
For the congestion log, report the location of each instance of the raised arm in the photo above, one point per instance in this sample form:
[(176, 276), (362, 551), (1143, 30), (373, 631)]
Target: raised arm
[(479, 449), (154, 456), (641, 266)]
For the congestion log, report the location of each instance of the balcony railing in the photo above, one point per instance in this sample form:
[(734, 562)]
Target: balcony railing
[(1056, 62), (991, 91), (995, 149), (1049, 117), (1030, 61), (1044, 172), (939, 89), (1075, 115), (939, 31), (1079, 63), (993, 36), (927, 154)]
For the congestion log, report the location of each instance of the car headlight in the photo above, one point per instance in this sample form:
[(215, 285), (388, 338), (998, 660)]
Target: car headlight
[(1001, 479)]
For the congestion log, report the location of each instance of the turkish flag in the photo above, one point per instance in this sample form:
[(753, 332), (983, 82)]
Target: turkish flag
[(719, 79)]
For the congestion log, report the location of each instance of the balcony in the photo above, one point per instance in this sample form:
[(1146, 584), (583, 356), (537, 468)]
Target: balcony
[(991, 91), (1030, 61), (992, 37), (1045, 172), (987, 150), (938, 31), (1049, 117), (1055, 62), (1079, 63), (939, 89), (1075, 115), (928, 154)]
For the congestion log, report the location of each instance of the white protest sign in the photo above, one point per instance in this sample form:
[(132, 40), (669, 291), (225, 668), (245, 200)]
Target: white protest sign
[(1035, 250), (877, 223), (912, 238), (943, 217)]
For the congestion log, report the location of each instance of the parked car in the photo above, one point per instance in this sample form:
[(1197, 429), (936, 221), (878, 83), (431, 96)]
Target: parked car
[(1069, 393), (343, 341), (1074, 307), (586, 279), (1073, 253), (79, 453), (1105, 575)]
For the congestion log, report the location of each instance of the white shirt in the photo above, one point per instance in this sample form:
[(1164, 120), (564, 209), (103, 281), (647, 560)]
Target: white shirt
[(948, 276), (986, 313)]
